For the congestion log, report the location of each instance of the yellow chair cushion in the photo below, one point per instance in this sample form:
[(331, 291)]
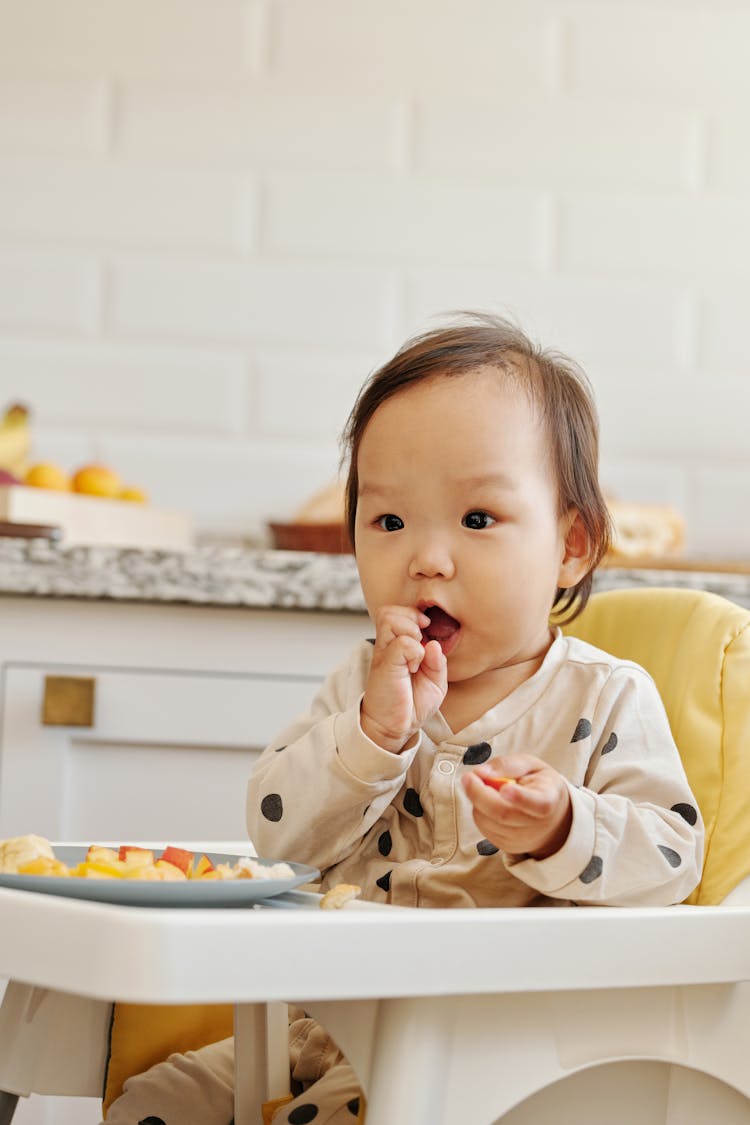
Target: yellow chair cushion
[(144, 1034), (696, 646)]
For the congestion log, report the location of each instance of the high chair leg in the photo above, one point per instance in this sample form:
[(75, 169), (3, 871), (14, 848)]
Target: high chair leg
[(8, 1103)]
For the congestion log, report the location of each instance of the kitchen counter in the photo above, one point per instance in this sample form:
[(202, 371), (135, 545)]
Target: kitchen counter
[(258, 579)]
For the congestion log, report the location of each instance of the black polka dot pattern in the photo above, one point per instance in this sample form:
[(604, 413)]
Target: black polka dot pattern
[(412, 803), (592, 870), (610, 744), (385, 843), (353, 1106), (302, 1114), (477, 754), (384, 882), (583, 730), (272, 806), (687, 812), (485, 847), (671, 856), (153, 1121)]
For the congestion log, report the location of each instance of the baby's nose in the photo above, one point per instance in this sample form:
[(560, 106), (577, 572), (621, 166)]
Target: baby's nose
[(432, 558)]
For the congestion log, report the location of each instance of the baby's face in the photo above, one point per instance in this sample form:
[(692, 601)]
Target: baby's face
[(458, 509)]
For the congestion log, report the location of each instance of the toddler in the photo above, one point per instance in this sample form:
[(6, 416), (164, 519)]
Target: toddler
[(470, 755)]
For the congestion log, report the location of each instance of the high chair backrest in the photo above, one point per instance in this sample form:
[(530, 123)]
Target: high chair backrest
[(696, 646)]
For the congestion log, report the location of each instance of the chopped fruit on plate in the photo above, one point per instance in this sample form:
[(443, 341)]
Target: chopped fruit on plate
[(181, 859), (202, 867), (131, 853), (33, 855), (171, 871), (43, 865), (99, 854), (100, 869)]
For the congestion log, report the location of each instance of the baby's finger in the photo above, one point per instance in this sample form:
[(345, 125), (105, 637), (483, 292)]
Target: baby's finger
[(517, 766), (401, 650), (396, 621), (434, 664)]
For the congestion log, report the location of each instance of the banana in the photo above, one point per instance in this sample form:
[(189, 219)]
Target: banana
[(15, 440)]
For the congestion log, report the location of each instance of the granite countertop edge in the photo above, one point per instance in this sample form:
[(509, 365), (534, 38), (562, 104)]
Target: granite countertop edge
[(244, 577)]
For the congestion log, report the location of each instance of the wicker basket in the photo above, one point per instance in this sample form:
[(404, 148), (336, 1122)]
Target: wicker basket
[(328, 538)]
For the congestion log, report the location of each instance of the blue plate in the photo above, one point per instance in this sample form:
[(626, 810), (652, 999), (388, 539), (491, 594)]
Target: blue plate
[(198, 893)]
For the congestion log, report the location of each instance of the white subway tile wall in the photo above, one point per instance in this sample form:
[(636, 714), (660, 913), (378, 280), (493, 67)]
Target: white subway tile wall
[(217, 216)]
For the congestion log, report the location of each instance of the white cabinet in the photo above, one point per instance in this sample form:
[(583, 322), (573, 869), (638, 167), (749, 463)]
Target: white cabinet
[(184, 699), (167, 755)]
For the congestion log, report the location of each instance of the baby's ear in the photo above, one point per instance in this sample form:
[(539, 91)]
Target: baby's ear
[(576, 559)]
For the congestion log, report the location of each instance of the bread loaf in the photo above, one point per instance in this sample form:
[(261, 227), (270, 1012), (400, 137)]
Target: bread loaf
[(645, 530)]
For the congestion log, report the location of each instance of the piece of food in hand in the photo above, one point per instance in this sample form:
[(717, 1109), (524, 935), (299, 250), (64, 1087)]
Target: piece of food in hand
[(339, 896), (18, 850), (495, 781)]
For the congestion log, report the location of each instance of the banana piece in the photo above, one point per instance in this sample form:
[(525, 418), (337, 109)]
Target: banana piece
[(339, 896), (18, 850), (15, 440)]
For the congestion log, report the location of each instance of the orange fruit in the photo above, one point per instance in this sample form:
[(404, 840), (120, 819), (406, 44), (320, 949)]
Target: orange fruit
[(97, 480), (133, 494), (46, 474)]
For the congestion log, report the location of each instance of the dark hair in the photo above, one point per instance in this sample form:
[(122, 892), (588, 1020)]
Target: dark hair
[(554, 382)]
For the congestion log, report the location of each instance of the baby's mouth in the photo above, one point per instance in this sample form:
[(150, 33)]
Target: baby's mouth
[(442, 628)]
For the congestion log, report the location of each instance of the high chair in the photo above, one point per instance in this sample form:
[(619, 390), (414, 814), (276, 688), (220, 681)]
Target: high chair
[(662, 1055)]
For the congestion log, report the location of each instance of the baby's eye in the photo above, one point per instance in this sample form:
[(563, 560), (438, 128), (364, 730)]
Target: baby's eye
[(477, 521), (390, 523)]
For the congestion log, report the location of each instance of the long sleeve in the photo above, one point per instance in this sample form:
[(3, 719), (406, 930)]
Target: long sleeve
[(402, 826), (637, 833), (322, 784)]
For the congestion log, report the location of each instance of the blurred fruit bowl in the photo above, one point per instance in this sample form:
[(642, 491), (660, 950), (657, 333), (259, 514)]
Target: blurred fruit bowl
[(328, 538)]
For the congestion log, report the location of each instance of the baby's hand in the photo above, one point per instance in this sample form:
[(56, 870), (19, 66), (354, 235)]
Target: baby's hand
[(407, 681), (531, 815)]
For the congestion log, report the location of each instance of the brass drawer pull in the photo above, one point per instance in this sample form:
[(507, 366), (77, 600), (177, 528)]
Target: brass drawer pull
[(68, 701)]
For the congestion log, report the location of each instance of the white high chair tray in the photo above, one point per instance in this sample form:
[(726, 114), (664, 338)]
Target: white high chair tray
[(403, 989), (139, 892)]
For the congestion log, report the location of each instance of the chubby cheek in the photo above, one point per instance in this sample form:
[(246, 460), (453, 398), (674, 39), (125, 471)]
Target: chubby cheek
[(374, 580)]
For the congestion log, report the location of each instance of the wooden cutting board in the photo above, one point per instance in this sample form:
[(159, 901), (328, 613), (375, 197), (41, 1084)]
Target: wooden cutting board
[(95, 522), (10, 530)]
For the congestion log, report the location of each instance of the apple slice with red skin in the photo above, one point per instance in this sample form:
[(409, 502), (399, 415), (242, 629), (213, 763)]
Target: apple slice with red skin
[(132, 853), (180, 858)]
